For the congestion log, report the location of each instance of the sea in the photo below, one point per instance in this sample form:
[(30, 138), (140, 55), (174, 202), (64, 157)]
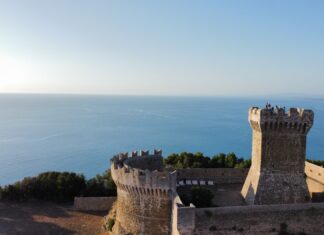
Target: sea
[(80, 133)]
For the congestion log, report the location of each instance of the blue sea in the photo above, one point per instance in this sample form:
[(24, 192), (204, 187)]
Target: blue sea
[(81, 133)]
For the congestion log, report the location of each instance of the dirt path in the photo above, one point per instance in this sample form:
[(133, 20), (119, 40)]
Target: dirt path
[(47, 218)]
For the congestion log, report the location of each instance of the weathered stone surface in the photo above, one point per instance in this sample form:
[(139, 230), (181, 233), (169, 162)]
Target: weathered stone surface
[(278, 156), (144, 194), (304, 218), (315, 181), (215, 175)]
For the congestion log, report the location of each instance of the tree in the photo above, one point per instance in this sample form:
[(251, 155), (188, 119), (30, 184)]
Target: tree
[(52, 186), (100, 185), (316, 162), (241, 163), (198, 160), (230, 160), (171, 160), (218, 161), (201, 197)]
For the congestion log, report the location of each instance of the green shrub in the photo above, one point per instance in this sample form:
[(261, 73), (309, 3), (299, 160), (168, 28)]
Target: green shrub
[(51, 186), (100, 186), (316, 162), (198, 160), (59, 187), (186, 199), (283, 229), (209, 214), (110, 224), (201, 197), (187, 160)]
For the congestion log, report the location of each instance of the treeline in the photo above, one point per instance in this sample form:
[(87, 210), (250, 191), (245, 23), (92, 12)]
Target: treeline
[(198, 160), (59, 187), (317, 162)]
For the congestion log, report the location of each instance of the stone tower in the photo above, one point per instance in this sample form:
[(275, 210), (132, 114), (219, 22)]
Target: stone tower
[(278, 156), (145, 191)]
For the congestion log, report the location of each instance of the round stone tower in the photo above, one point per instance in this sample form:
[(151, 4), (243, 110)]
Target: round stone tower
[(144, 193), (278, 156)]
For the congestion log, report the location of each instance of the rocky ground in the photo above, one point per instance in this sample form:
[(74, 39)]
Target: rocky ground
[(48, 218)]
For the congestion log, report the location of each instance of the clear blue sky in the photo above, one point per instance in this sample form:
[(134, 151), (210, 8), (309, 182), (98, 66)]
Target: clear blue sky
[(162, 47)]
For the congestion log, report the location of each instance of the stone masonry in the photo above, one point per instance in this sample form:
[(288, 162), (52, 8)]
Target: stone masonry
[(148, 202), (145, 191), (278, 156)]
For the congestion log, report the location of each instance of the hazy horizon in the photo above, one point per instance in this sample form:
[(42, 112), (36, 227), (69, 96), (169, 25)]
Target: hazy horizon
[(263, 96), (167, 48)]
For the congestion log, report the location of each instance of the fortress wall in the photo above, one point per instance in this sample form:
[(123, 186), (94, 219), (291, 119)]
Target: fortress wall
[(259, 208), (144, 194), (278, 156), (144, 179), (145, 162), (140, 213), (183, 218), (314, 186), (142, 172), (314, 172), (315, 181), (218, 175), (93, 203), (260, 219)]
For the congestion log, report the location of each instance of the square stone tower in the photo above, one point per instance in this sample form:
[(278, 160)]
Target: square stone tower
[(278, 156)]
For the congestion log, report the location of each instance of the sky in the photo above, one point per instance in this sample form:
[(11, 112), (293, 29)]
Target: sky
[(182, 47)]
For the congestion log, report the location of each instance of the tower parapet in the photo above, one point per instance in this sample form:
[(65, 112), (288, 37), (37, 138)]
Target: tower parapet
[(278, 155), (145, 190), (277, 119)]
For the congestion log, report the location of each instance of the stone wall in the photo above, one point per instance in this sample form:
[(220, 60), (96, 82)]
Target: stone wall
[(254, 219), (142, 213), (315, 173), (216, 175), (145, 162), (93, 203), (183, 218), (260, 219), (315, 181), (276, 175), (144, 194)]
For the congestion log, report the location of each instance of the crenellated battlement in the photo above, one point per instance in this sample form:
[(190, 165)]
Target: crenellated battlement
[(142, 173), (120, 159), (277, 119), (145, 190), (279, 141)]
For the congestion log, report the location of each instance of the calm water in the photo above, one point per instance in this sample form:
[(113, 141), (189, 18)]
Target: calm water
[(81, 133)]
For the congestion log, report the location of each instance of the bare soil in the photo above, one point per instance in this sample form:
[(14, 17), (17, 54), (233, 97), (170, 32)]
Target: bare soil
[(45, 218)]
